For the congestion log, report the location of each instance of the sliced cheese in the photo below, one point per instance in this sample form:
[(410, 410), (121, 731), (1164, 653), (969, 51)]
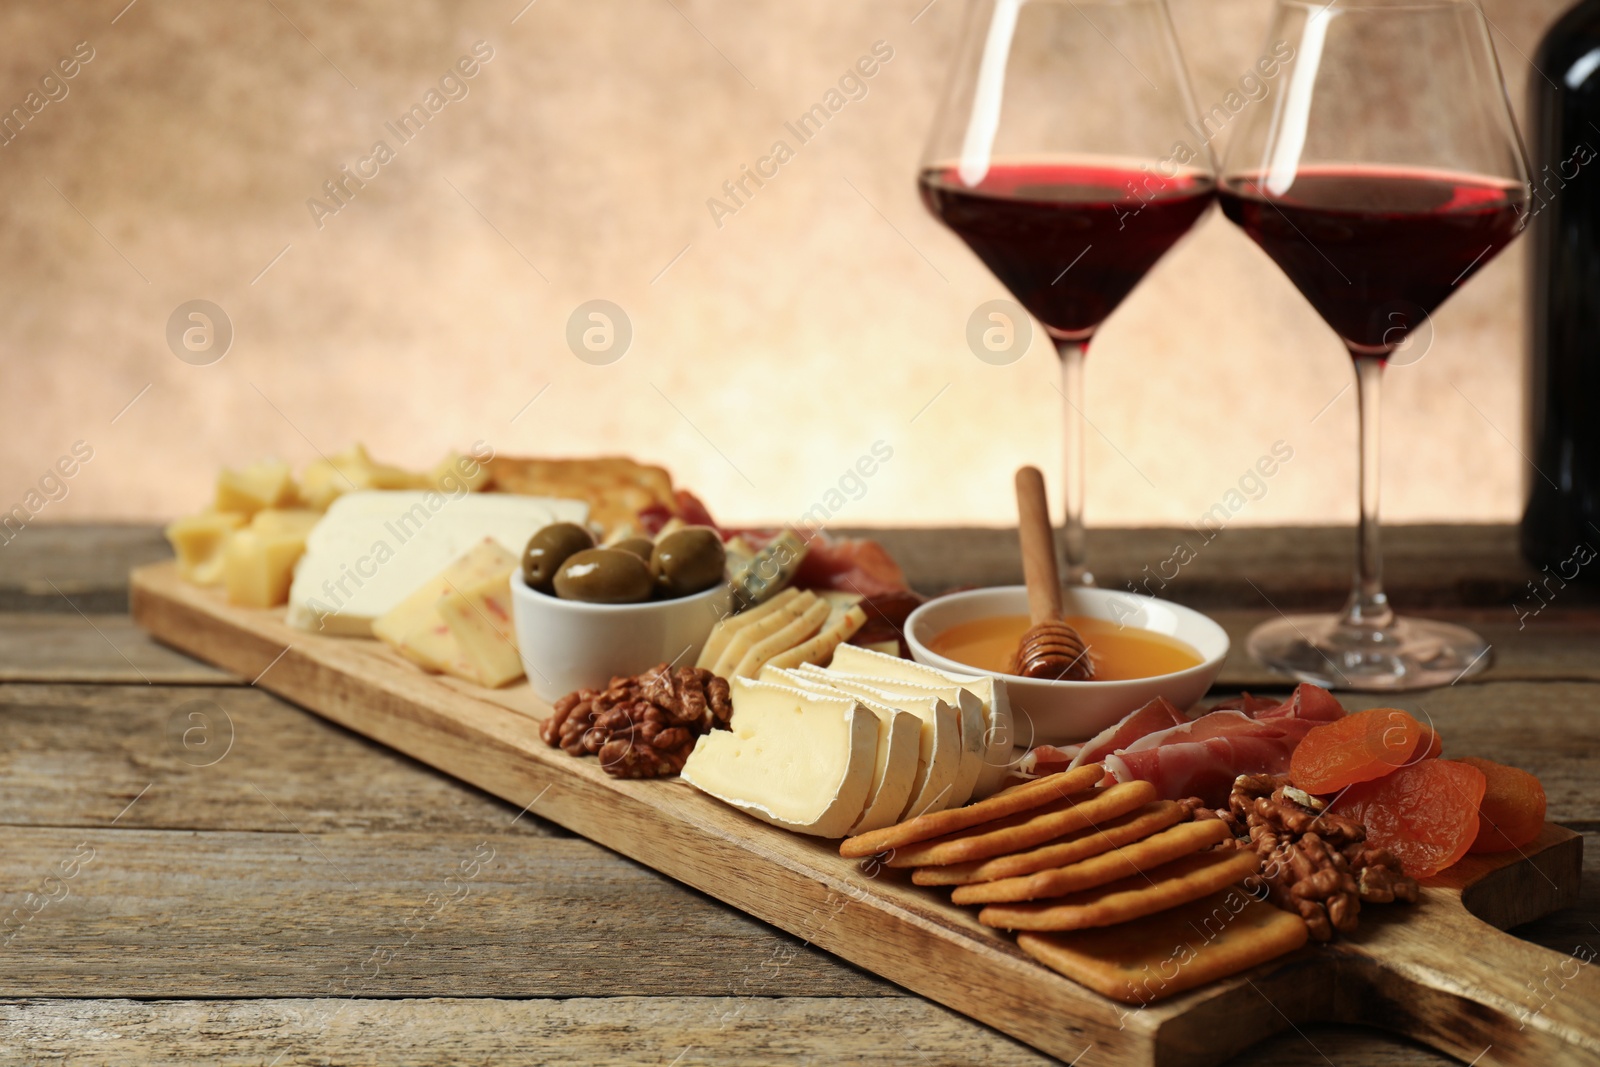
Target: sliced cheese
[(375, 548), (999, 722), (799, 630), (939, 752), (759, 630), (725, 630), (819, 649), (969, 716), (794, 759), (899, 754)]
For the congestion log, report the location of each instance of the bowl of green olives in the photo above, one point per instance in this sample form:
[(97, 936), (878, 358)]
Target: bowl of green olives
[(586, 612)]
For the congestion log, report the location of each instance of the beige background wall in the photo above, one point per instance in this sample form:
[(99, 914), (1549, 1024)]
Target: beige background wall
[(767, 355)]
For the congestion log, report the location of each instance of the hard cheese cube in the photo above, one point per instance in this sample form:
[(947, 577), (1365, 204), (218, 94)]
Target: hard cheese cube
[(258, 567), (199, 540), (417, 630), (480, 619), (285, 522), (268, 484)]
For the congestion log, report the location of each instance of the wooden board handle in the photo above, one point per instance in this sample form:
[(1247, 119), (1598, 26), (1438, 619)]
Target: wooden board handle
[(1445, 975), (1038, 547)]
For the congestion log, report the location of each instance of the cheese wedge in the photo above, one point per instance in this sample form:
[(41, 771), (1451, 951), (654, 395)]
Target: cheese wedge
[(969, 717), (418, 631), (790, 758), (939, 752), (999, 722), (375, 548), (899, 753), (479, 617), (725, 630), (759, 630)]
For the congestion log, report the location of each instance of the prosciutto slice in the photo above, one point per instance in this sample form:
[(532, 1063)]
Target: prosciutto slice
[(1157, 715), (1201, 757)]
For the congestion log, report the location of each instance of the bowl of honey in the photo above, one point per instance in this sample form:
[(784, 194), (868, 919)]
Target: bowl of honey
[(1142, 648)]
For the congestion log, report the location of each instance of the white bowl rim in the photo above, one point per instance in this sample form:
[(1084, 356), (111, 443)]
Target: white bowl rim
[(926, 655), (520, 587)]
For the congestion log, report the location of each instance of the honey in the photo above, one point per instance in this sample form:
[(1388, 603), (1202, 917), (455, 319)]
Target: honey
[(1120, 653)]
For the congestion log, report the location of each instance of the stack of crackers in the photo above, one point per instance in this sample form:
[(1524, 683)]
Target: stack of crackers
[(616, 488), (1110, 886)]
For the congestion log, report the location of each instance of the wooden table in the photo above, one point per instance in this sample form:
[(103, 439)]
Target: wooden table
[(217, 876)]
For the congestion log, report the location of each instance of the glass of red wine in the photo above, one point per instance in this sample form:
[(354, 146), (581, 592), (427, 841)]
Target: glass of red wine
[(1381, 170), (1066, 155)]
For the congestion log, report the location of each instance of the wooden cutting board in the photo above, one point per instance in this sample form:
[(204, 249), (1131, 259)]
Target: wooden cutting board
[(1441, 972)]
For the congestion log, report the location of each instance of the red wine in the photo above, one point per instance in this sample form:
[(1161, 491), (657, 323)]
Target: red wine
[(1561, 525), (1070, 240), (1375, 249)]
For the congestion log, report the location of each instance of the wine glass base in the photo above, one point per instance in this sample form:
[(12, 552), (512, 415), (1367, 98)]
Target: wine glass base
[(1409, 654)]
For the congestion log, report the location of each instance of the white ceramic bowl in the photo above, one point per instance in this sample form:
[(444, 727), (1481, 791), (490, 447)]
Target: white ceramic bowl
[(1067, 712), (568, 644)]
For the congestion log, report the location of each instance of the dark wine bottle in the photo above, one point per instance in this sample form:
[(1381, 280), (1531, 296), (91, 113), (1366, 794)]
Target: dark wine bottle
[(1561, 525)]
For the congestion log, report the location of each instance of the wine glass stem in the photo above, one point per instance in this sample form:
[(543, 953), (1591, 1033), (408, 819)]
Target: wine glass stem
[(1369, 605), (1075, 550)]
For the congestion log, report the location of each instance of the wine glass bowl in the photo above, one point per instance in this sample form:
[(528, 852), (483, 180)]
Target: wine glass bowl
[(1064, 156), (1381, 172)]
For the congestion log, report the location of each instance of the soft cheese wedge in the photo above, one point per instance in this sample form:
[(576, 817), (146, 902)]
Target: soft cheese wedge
[(376, 547), (999, 724), (899, 753), (794, 759), (939, 758)]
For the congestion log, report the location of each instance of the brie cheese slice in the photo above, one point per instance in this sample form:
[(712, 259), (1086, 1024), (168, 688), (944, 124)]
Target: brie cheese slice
[(939, 760), (999, 722), (899, 753), (969, 719), (374, 548), (790, 758)]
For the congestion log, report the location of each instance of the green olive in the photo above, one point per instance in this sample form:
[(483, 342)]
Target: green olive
[(548, 549), (639, 546), (604, 576), (688, 561)]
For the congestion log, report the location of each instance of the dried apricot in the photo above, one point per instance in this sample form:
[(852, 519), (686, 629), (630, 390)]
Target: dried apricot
[(1356, 748), (1430, 746), (1512, 812), (1426, 814)]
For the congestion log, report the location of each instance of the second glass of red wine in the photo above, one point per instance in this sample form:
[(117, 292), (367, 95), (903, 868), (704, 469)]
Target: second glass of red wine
[(1383, 169), (1069, 156)]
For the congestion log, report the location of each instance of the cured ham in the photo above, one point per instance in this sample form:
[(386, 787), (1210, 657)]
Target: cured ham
[(1201, 757), (1157, 715)]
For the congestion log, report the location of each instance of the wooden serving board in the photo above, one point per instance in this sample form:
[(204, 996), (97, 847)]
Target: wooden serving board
[(1441, 972)]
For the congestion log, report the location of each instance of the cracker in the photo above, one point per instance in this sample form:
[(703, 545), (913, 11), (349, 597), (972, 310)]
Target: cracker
[(1018, 798), (1169, 885), (1187, 946), (1027, 828), (1137, 824), (1134, 858), (616, 488)]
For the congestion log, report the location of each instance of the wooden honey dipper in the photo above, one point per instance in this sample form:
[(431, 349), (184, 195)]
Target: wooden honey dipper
[(1050, 649)]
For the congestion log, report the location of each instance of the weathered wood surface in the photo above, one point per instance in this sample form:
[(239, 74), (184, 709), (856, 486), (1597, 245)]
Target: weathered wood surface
[(330, 781), (693, 1031), (1243, 567), (1412, 972)]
